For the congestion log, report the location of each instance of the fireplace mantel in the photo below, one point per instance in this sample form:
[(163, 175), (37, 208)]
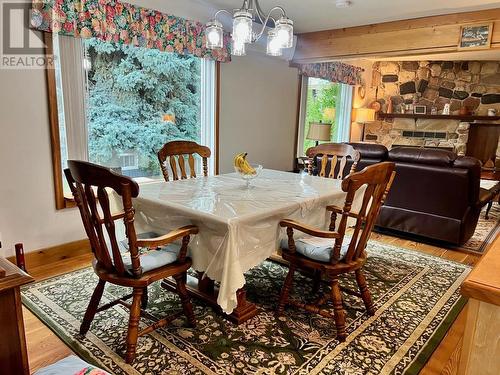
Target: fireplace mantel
[(470, 119)]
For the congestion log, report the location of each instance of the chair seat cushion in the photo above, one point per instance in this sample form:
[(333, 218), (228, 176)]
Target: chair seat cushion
[(315, 248), (71, 365), (151, 259)]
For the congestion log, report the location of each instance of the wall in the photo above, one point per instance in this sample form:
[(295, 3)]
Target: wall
[(258, 118), (360, 101), (27, 206), (473, 85), (258, 111)]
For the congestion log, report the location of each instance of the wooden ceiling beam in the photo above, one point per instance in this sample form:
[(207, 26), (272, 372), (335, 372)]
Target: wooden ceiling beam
[(427, 35)]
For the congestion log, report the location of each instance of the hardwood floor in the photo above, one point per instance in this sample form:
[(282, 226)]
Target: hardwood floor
[(44, 347)]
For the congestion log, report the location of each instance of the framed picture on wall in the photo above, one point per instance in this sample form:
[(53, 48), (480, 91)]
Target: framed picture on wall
[(475, 36), (420, 109)]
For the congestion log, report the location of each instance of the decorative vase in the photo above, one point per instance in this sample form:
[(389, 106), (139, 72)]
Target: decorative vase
[(390, 106), (464, 111), (446, 109)]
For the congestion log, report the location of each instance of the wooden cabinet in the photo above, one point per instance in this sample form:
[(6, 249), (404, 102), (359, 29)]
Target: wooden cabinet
[(481, 342), (13, 354), (483, 142)]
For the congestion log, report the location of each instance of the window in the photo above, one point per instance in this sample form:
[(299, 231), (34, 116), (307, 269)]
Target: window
[(117, 104), (129, 161), (324, 102)]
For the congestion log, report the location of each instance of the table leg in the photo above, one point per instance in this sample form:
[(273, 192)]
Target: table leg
[(204, 288), (206, 285), (487, 214)]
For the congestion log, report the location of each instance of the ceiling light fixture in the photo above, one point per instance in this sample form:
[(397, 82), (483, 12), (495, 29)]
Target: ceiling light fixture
[(278, 38)]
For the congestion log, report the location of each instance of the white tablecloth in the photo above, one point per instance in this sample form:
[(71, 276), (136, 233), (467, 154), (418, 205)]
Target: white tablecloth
[(238, 226)]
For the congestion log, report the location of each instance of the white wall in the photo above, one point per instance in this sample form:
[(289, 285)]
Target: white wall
[(358, 102), (27, 204), (258, 111), (259, 119)]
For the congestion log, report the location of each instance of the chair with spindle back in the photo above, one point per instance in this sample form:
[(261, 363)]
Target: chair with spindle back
[(325, 251), (136, 264), (175, 151), (333, 155)]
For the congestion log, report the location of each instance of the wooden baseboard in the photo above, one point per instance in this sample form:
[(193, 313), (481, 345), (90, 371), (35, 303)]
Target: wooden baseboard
[(55, 253)]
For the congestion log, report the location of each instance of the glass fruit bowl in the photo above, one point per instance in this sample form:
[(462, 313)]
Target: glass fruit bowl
[(249, 174)]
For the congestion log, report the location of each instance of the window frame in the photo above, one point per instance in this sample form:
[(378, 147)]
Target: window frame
[(135, 157), (62, 201), (302, 113)]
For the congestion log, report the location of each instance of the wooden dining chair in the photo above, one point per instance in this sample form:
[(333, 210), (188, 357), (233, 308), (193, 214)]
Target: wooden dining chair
[(176, 151), (331, 159), (325, 251), (136, 262)]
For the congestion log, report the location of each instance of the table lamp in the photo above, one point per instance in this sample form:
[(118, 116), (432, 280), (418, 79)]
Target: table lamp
[(362, 116), (319, 131)]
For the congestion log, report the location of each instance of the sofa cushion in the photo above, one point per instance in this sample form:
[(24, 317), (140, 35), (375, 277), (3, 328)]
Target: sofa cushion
[(315, 248), (467, 162), (371, 151), (422, 224), (441, 158), (431, 189)]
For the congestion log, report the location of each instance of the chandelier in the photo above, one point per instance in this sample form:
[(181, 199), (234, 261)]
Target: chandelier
[(278, 37)]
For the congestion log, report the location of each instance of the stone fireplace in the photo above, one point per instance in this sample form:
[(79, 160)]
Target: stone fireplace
[(473, 85), (448, 134)]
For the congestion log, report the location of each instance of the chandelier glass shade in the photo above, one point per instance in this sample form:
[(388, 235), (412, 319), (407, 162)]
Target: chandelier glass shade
[(279, 36), (238, 48), (274, 45), (284, 32), (242, 26), (214, 33)]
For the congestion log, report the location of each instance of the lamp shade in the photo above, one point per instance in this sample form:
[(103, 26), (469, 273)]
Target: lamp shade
[(319, 131), (273, 44), (214, 34), (238, 49), (242, 26), (363, 115)]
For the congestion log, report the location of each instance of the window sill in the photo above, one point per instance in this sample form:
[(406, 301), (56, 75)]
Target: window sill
[(67, 202), (146, 180)]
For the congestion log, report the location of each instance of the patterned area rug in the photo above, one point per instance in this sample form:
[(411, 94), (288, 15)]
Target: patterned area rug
[(486, 231), (416, 298)]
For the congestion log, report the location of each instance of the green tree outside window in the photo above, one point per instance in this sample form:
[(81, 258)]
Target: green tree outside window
[(321, 97), (139, 99)]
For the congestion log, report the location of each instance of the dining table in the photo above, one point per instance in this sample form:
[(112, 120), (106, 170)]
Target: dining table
[(238, 225)]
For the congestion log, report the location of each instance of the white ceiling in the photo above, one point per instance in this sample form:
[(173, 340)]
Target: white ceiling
[(314, 15)]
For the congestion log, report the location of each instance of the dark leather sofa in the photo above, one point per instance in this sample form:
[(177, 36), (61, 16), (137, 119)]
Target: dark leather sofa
[(435, 194)]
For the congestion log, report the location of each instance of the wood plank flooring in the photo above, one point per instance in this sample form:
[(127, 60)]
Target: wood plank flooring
[(44, 347)]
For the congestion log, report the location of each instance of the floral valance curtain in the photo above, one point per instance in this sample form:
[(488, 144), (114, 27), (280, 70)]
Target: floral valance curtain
[(114, 21), (332, 71)]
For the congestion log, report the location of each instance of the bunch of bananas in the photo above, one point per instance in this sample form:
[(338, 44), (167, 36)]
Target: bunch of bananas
[(242, 166)]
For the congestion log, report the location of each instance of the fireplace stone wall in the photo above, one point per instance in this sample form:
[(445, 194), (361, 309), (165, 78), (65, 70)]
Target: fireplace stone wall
[(474, 85)]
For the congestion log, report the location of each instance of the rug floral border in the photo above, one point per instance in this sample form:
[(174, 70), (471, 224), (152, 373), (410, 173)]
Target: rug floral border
[(450, 310)]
